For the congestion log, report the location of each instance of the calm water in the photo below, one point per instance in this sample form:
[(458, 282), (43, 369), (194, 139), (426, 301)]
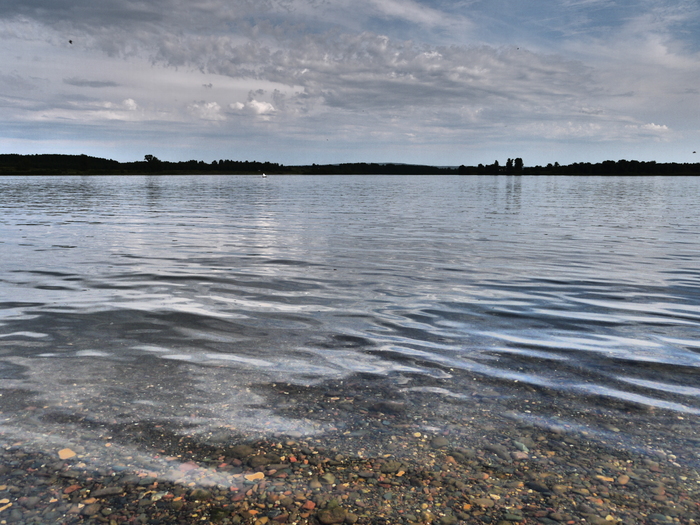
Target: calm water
[(240, 302)]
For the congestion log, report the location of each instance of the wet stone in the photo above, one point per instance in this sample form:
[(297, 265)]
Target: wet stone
[(537, 486), (328, 478), (521, 446), (201, 494), (499, 450), (66, 453), (107, 491), (449, 519), (331, 516), (439, 442), (388, 407), (147, 481), (390, 467), (31, 502), (462, 454), (241, 451), (91, 510), (263, 460), (660, 518)]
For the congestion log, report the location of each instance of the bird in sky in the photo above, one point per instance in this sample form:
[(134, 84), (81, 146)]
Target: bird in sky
[(70, 42)]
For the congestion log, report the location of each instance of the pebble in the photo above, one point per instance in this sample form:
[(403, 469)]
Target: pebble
[(31, 502), (331, 516), (539, 487), (521, 446), (439, 442), (499, 450), (623, 479), (91, 510), (390, 467), (66, 453), (201, 494), (328, 478)]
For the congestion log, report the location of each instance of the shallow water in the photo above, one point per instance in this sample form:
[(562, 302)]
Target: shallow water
[(234, 302)]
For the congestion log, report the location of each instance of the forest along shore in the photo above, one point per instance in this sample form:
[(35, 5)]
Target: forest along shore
[(47, 164)]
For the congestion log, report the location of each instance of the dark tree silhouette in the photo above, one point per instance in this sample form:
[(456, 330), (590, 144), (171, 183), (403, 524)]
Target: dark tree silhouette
[(11, 164), (509, 166)]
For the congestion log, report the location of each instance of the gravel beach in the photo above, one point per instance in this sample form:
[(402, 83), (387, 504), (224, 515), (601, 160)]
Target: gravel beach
[(390, 471)]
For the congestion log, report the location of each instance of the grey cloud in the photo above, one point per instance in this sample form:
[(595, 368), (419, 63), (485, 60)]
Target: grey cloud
[(79, 82), (17, 83), (371, 71), (82, 12), (129, 27)]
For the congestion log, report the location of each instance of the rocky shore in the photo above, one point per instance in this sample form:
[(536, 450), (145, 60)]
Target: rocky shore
[(526, 476)]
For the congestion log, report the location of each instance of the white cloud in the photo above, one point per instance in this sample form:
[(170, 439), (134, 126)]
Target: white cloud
[(89, 110), (253, 106), (206, 111), (654, 127), (257, 108)]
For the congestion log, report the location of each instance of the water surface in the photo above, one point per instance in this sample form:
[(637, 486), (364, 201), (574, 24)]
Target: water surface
[(242, 303)]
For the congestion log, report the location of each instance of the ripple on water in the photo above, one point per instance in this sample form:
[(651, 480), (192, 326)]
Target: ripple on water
[(176, 298)]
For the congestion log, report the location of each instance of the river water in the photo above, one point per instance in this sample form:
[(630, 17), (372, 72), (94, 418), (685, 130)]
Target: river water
[(351, 307)]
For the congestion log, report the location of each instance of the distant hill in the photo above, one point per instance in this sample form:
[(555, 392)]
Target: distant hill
[(14, 164)]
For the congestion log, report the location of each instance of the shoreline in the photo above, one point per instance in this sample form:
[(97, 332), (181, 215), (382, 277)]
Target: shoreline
[(547, 477), (377, 459)]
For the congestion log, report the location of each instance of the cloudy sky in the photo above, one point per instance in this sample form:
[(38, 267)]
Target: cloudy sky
[(442, 82)]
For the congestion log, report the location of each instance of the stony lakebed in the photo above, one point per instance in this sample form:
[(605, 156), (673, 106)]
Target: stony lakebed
[(382, 467)]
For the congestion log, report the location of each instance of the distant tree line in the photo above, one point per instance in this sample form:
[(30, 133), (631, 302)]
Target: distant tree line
[(13, 164), (58, 164), (512, 167), (620, 167)]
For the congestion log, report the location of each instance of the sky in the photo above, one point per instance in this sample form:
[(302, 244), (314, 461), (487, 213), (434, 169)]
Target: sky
[(328, 81)]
